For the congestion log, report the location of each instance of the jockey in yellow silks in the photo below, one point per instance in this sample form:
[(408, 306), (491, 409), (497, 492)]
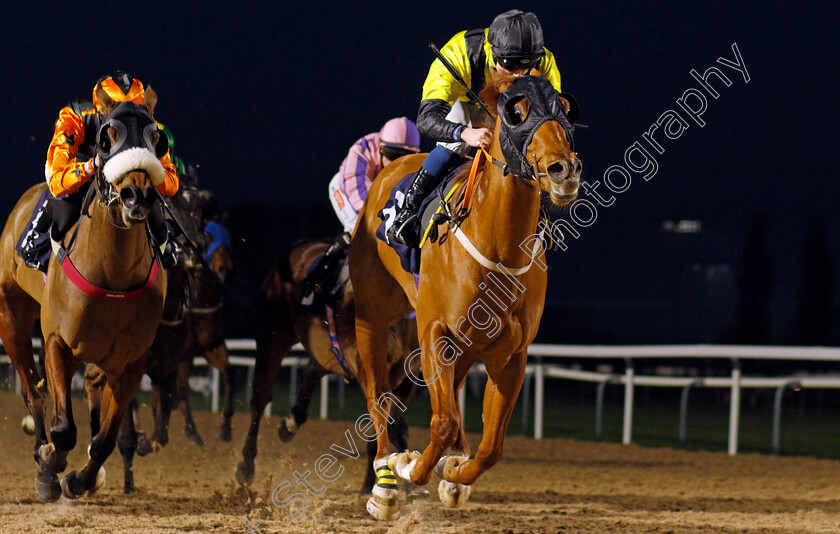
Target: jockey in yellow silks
[(513, 44)]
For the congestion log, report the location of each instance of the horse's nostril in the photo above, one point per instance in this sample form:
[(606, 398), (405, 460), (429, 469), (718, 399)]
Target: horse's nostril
[(558, 170), (128, 195)]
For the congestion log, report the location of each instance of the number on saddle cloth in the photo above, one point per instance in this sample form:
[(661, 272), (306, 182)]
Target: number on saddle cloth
[(410, 256)]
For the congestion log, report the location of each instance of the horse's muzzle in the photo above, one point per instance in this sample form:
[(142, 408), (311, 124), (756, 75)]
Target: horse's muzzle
[(136, 202)]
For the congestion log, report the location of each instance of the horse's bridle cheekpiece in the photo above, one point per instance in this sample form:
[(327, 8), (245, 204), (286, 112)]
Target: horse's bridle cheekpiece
[(516, 133)]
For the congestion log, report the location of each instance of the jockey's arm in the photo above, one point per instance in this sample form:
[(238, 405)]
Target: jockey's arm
[(64, 174), (171, 182), (358, 170), (441, 90), (548, 68)]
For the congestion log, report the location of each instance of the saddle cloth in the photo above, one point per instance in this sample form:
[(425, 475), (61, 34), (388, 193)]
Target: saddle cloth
[(409, 256)]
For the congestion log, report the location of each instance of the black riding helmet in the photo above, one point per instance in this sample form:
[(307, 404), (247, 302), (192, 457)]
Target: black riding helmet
[(516, 40)]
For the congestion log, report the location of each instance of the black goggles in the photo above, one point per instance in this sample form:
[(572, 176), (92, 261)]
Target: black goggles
[(394, 152), (518, 63)]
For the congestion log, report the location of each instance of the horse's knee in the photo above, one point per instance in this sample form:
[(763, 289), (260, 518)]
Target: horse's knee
[(101, 448), (63, 435), (445, 429)]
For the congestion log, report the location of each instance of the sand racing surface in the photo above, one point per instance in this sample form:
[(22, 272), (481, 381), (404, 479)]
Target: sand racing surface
[(549, 486)]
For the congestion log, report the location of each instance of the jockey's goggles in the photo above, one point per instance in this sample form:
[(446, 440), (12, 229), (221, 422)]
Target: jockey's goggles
[(512, 64), (393, 152)]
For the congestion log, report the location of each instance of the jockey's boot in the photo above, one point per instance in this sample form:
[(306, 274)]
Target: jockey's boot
[(33, 245), (162, 240), (326, 265), (420, 188)]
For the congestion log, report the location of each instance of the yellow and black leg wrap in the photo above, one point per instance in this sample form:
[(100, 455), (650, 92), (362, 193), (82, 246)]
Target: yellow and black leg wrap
[(386, 478)]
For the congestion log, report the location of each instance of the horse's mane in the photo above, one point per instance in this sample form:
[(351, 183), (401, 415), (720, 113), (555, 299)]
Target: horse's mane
[(489, 95)]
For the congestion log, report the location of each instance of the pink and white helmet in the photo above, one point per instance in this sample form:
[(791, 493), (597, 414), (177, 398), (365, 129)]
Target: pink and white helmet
[(400, 133)]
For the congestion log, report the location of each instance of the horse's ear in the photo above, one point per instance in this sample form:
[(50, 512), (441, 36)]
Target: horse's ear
[(106, 103), (150, 100), (571, 107)]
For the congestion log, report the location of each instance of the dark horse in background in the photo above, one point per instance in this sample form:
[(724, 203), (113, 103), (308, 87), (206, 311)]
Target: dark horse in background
[(112, 252), (283, 323), (206, 324)]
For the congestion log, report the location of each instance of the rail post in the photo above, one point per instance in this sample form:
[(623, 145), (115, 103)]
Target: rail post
[(214, 389), (683, 433), (599, 405), (777, 412), (734, 407), (526, 401), (539, 394), (293, 386), (325, 395), (627, 432)]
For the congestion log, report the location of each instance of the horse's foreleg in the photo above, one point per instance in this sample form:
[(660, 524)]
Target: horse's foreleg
[(190, 429), (94, 383), (371, 338), (312, 374), (461, 447), (500, 396), (164, 393), (446, 421), (18, 313), (127, 442), (218, 358), (270, 354), (116, 401), (61, 366)]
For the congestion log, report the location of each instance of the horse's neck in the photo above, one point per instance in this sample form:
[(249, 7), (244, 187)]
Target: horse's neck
[(504, 213), (108, 256), (205, 292)]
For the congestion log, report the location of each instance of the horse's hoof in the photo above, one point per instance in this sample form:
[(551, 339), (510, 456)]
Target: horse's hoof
[(51, 459), (413, 491), (447, 463), (225, 433), (69, 486), (244, 473), (47, 487), (99, 483), (144, 446), (195, 439), (382, 505), (286, 429), (452, 494), (403, 462), (28, 425)]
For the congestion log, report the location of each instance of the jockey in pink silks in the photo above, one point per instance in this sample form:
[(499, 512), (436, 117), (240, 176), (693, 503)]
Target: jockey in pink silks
[(348, 188)]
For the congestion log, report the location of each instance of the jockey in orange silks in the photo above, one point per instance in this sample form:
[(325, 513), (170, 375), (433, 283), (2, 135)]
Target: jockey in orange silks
[(72, 162)]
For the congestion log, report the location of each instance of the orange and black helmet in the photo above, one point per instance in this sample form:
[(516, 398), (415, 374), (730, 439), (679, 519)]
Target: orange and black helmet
[(120, 87)]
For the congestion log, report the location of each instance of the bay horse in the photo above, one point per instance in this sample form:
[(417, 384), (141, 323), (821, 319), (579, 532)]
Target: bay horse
[(282, 323), (206, 330), (482, 304), (110, 323)]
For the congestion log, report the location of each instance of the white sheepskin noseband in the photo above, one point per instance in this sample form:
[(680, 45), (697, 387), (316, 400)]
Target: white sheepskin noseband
[(134, 159)]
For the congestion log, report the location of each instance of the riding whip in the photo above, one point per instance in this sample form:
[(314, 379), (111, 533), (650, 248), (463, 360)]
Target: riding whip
[(458, 77)]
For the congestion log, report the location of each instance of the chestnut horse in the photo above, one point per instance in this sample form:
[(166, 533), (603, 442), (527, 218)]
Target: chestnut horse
[(478, 298), (283, 323), (168, 348), (110, 251)]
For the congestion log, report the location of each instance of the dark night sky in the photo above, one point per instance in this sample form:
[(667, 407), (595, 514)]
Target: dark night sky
[(267, 99)]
